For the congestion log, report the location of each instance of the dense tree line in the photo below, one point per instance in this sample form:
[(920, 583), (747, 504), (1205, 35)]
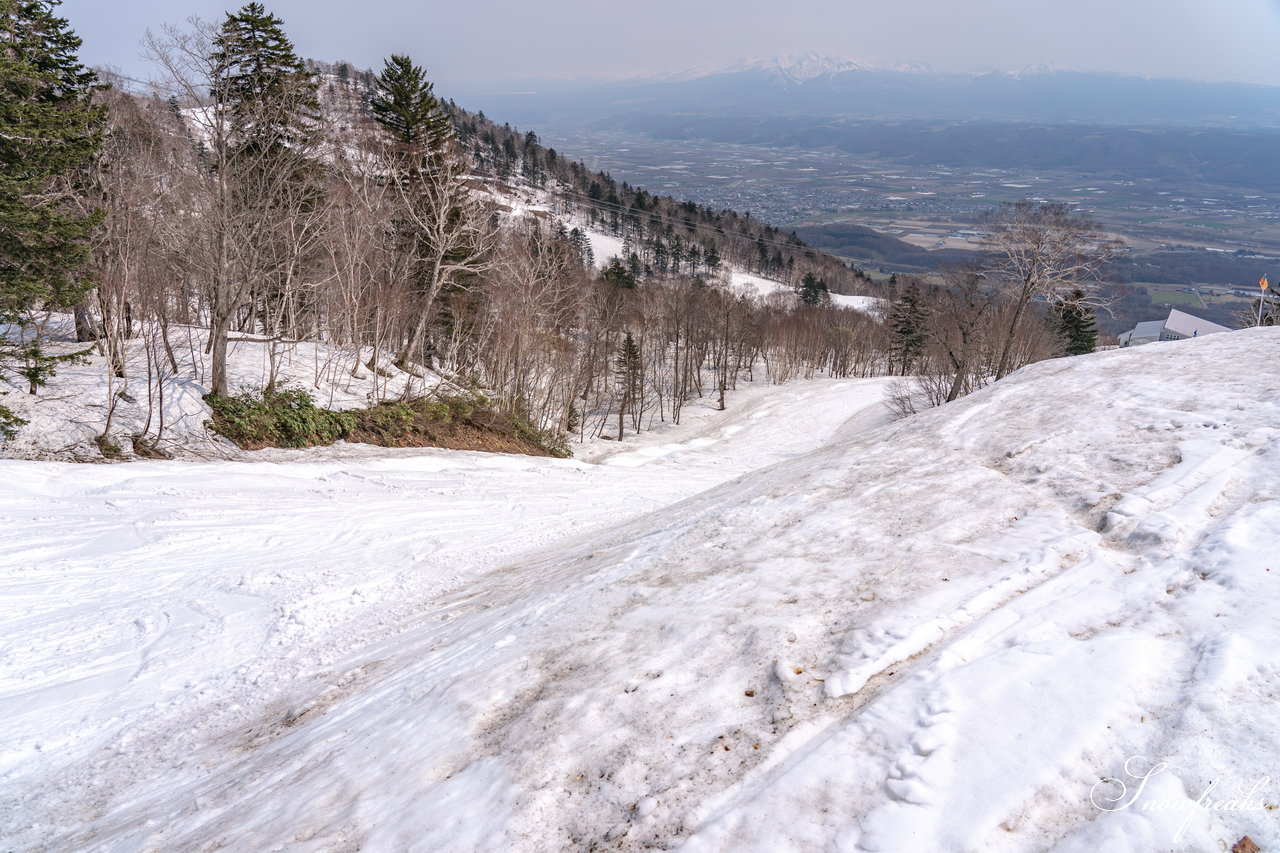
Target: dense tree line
[(261, 196)]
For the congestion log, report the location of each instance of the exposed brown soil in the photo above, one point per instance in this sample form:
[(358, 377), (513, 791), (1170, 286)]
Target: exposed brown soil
[(451, 436)]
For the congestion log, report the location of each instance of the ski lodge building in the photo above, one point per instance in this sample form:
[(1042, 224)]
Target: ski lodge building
[(1179, 325)]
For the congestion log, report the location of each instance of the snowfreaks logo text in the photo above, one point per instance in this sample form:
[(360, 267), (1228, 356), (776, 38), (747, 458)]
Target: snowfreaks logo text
[(1114, 795)]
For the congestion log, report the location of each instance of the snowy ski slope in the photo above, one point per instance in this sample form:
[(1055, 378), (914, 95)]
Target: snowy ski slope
[(790, 626)]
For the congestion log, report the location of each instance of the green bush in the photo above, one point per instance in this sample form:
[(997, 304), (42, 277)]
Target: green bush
[(555, 443), (108, 448), (9, 423), (388, 418), (285, 418), (290, 418), (435, 410)]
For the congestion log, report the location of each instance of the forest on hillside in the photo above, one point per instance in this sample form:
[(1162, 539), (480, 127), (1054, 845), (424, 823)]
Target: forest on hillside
[(255, 195)]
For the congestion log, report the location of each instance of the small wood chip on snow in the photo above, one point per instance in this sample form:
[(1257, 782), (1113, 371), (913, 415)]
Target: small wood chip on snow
[(1246, 845)]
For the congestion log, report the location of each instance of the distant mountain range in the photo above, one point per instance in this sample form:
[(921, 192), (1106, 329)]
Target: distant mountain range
[(817, 85), (795, 68)]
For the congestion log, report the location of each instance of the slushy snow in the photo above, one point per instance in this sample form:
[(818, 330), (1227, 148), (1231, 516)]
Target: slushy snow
[(1042, 617)]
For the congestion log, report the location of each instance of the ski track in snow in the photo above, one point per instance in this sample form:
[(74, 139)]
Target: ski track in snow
[(938, 634), (155, 604)]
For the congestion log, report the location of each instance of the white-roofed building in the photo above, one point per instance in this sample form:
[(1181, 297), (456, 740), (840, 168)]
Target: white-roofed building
[(1179, 325), (1143, 333)]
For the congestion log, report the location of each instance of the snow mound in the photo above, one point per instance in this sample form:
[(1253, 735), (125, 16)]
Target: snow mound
[(1042, 617)]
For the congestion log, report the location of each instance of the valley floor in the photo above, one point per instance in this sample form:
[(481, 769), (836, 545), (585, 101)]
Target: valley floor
[(789, 626)]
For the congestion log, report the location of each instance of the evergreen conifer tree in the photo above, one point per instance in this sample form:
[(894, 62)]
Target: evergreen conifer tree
[(813, 290), (1077, 324), (630, 373), (445, 232), (908, 322), (582, 247), (264, 132), (267, 94), (618, 274), (407, 108), (711, 256), (50, 132)]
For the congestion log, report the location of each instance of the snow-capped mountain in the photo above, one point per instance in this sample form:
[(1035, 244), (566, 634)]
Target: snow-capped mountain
[(808, 66), (803, 67), (793, 67)]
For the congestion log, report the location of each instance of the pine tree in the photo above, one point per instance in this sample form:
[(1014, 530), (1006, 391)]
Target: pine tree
[(618, 274), (908, 321), (711, 257), (265, 130), (407, 108), (265, 90), (630, 373), (445, 232), (50, 132), (582, 247), (1076, 323), (813, 290)]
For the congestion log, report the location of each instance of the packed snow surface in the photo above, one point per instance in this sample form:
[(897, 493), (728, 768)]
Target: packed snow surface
[(1042, 617)]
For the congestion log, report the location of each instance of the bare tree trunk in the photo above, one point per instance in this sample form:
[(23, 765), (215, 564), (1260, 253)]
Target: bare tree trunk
[(219, 326), (86, 329), (1002, 370)]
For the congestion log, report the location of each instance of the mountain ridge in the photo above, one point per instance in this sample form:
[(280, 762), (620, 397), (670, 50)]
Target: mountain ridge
[(842, 87)]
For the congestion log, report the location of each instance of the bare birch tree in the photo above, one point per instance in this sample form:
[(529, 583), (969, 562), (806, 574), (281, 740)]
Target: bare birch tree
[(1040, 250)]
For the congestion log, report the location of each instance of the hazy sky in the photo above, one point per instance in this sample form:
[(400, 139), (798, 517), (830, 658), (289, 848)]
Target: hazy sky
[(507, 40)]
